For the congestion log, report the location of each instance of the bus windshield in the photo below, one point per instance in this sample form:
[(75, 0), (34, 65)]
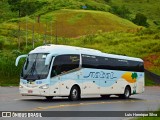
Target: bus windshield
[(34, 67)]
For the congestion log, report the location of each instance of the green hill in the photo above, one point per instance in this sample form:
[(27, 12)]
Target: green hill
[(150, 8), (76, 23)]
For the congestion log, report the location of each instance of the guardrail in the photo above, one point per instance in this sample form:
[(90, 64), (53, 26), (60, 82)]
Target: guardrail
[(154, 77)]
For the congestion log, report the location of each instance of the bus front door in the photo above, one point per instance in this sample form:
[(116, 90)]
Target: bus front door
[(55, 86)]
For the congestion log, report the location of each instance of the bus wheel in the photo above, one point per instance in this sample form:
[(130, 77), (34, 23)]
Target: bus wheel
[(105, 96), (74, 93), (126, 94), (49, 98)]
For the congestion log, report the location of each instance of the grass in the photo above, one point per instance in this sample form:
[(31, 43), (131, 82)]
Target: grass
[(75, 23), (153, 63), (149, 81), (130, 44), (149, 8)]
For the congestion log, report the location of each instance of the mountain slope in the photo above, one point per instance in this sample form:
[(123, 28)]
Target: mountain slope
[(150, 8), (75, 23)]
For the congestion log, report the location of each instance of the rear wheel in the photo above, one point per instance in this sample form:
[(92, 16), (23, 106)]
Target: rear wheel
[(49, 98), (74, 93), (126, 94)]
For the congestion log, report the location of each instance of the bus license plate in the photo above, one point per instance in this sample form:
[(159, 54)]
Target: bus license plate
[(30, 91)]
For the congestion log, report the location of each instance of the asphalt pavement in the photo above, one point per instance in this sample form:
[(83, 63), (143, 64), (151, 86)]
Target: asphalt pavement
[(11, 100)]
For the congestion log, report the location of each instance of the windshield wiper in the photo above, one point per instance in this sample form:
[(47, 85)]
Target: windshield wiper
[(31, 70)]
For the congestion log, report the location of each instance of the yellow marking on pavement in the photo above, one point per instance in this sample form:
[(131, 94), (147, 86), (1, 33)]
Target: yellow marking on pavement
[(39, 107), (86, 104), (72, 105)]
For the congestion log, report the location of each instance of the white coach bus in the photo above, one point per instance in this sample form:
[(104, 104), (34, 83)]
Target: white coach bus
[(60, 70)]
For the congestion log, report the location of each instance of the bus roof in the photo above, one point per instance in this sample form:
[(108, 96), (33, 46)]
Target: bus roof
[(65, 49)]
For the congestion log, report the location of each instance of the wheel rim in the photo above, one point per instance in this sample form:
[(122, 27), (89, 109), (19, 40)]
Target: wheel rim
[(127, 93), (74, 93)]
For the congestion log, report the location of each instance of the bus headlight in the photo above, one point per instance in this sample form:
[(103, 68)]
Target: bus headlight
[(20, 86), (46, 86)]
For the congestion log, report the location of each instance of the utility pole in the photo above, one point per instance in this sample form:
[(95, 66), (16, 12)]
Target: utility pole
[(33, 36), (56, 40), (26, 33), (38, 20), (44, 42), (19, 29), (51, 32)]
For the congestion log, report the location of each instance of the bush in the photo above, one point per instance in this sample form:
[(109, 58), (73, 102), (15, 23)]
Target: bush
[(107, 1), (9, 73), (156, 22), (26, 7), (147, 31), (141, 19), (1, 42), (121, 11), (157, 36), (95, 5)]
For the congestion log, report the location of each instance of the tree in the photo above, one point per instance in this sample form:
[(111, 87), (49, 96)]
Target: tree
[(107, 1), (121, 11), (25, 7), (15, 5), (5, 11), (29, 7), (140, 19)]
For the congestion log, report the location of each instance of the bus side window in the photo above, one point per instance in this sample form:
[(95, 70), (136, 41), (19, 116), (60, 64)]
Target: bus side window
[(89, 61), (64, 63), (56, 68), (70, 62), (141, 67)]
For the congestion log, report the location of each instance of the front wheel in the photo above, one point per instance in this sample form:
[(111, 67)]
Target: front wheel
[(74, 94), (126, 94)]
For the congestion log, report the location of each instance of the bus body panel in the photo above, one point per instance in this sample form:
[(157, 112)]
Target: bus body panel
[(90, 80), (99, 81), (90, 84)]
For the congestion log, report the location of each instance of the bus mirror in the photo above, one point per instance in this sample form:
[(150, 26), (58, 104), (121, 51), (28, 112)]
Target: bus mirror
[(18, 58), (48, 59)]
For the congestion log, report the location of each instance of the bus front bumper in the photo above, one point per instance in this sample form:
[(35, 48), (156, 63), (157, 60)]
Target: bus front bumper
[(36, 91)]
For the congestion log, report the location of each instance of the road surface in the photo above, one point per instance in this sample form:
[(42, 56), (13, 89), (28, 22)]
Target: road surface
[(11, 100)]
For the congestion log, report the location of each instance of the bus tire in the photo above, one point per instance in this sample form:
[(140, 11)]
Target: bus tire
[(74, 93), (105, 96), (49, 98), (127, 93)]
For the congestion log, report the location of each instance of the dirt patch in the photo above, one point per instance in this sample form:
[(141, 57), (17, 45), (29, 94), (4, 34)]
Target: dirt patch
[(149, 61)]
